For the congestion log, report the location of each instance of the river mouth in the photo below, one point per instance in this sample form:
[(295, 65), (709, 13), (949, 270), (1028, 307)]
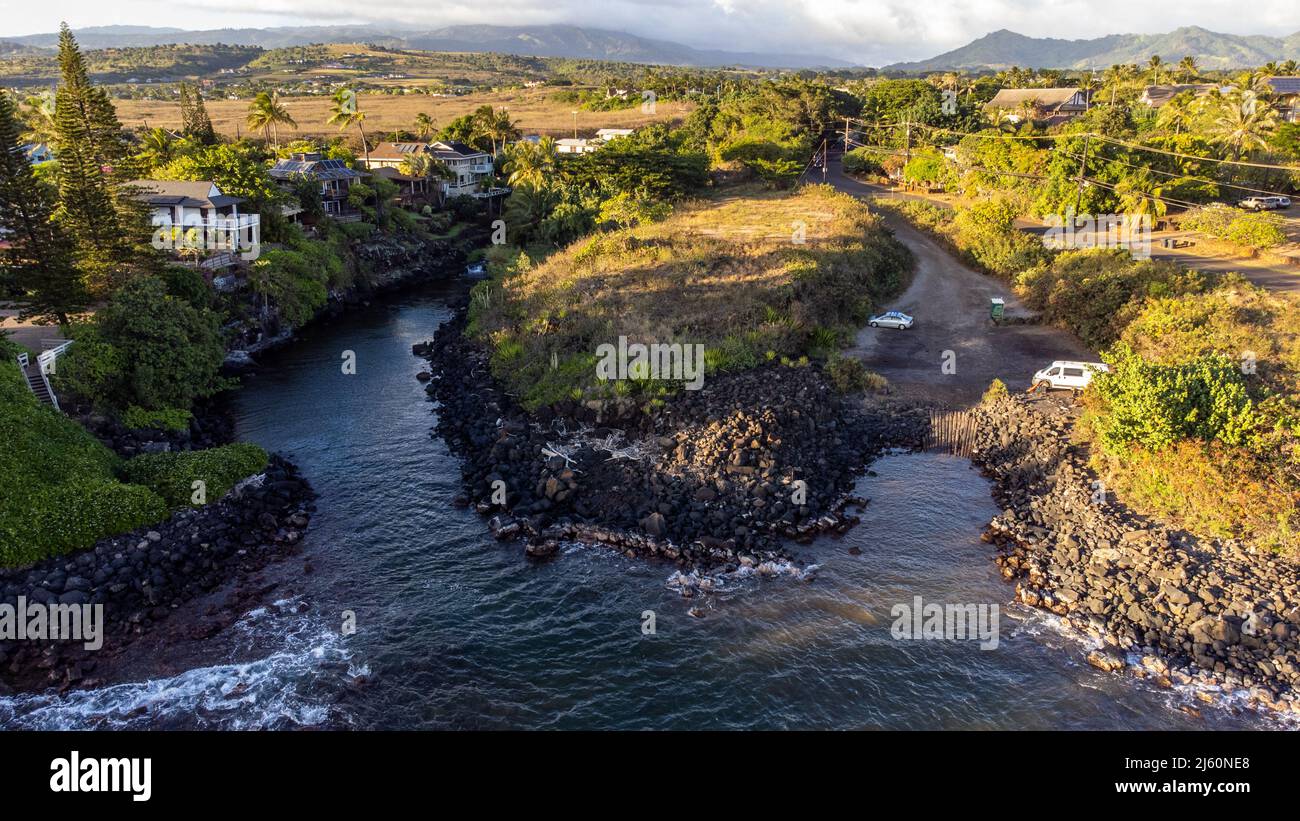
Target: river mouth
[(457, 631)]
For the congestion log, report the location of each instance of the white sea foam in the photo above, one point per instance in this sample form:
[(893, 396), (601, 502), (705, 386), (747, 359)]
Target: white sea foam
[(272, 692)]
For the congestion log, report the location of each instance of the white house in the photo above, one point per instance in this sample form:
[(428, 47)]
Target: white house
[(470, 166), (195, 216)]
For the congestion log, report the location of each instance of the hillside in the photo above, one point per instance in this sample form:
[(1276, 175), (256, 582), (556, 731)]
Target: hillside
[(534, 41), (1212, 50)]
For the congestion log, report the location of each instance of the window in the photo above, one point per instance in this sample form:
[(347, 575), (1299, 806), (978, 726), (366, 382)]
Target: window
[(1074, 372)]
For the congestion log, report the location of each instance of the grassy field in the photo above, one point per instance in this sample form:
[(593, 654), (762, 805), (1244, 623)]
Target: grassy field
[(751, 277), (533, 110)]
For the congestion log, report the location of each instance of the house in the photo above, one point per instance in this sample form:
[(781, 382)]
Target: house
[(1047, 104), (334, 176), (1156, 96), (607, 134), (575, 145), (410, 189), (1286, 97), (472, 170), (194, 216)]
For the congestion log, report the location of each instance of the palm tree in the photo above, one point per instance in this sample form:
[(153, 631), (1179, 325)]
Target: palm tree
[(344, 112), (1088, 84), (495, 125), (1245, 123), (424, 126), (158, 147), (1156, 67), (530, 163), (1176, 115), (266, 113), (421, 164), (1189, 70)]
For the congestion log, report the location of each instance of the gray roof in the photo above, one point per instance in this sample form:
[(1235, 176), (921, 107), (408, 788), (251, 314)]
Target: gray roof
[(1284, 85), (187, 193), (1044, 97)]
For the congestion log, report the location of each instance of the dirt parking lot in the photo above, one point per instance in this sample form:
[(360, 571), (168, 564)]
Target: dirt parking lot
[(950, 303)]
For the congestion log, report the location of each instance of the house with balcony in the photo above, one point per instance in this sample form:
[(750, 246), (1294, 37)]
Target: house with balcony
[(472, 170), (193, 218), (334, 176)]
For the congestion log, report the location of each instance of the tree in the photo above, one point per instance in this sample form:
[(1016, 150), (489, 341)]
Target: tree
[(493, 125), (424, 126), (425, 165), (530, 163), (1188, 69), (92, 155), (266, 113), (39, 264), (345, 113), (195, 122), (170, 350), (1245, 123)]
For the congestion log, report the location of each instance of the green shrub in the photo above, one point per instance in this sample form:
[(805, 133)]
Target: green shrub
[(357, 230), (847, 374), (997, 390), (1252, 229), (862, 161), (1154, 405), (173, 475), (57, 487), (175, 419), (57, 519)]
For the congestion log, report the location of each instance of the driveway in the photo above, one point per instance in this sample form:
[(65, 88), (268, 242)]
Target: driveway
[(951, 305)]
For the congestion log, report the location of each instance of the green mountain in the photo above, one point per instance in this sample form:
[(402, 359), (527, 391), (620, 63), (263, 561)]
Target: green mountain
[(1003, 49)]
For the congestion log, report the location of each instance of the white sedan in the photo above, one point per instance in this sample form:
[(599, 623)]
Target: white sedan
[(891, 319)]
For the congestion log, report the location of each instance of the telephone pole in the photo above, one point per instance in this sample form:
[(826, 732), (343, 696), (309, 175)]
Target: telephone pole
[(1083, 167)]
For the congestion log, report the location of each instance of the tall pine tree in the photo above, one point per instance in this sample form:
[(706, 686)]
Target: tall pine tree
[(38, 265), (107, 226), (195, 122)]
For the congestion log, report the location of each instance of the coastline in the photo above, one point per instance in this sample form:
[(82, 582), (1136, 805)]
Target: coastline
[(1162, 604)]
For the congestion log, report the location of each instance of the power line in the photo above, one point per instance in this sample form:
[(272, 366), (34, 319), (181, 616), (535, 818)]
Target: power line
[(1177, 176), (1290, 168)]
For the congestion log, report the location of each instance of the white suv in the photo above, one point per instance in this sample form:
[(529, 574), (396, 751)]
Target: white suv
[(1073, 376)]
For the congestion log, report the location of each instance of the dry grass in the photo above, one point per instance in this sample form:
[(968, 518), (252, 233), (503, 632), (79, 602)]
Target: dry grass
[(729, 274), (532, 109)]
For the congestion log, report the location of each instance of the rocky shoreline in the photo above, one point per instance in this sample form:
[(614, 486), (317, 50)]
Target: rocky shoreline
[(713, 481), (1209, 614), (707, 482), (140, 577)]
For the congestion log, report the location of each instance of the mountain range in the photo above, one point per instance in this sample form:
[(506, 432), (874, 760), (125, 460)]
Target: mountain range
[(532, 41), (1212, 50)]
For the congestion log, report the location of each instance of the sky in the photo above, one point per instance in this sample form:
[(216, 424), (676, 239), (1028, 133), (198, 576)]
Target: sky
[(868, 32)]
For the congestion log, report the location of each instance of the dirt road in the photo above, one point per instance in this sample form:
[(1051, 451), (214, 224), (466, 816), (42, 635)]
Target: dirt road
[(951, 305)]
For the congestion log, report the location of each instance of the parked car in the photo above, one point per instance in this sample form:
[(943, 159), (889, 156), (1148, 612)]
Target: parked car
[(891, 319), (1063, 375), (1265, 203)]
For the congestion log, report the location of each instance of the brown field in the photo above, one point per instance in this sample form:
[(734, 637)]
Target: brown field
[(532, 109)]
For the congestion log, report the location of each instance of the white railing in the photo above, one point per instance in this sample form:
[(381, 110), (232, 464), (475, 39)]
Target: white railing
[(46, 361), (242, 234)]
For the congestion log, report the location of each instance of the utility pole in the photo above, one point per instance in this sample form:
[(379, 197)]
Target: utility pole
[(846, 135), (1083, 167), (826, 156), (907, 152)]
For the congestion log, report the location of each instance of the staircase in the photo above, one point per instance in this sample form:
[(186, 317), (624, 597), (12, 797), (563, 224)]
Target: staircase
[(36, 381), (37, 373)]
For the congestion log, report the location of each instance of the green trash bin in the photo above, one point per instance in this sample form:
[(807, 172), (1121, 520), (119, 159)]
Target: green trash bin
[(997, 306)]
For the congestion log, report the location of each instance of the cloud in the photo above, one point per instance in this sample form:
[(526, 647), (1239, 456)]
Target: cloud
[(870, 32)]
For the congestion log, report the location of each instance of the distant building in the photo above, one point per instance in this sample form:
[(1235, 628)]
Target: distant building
[(574, 145), (1286, 97), (606, 134), (1041, 104), (1156, 96), (334, 176)]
